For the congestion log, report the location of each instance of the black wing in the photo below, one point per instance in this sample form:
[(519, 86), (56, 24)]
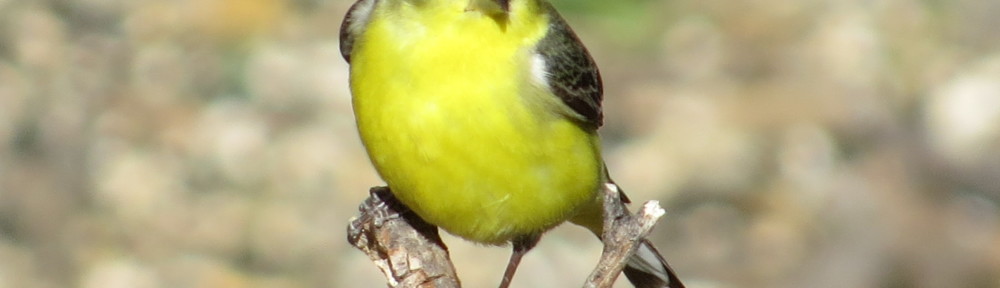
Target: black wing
[(354, 22), (571, 72)]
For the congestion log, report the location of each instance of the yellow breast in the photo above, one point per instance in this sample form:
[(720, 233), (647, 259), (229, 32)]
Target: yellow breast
[(456, 124)]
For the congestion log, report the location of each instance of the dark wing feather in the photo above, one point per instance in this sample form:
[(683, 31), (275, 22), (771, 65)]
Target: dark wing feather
[(571, 72), (354, 22)]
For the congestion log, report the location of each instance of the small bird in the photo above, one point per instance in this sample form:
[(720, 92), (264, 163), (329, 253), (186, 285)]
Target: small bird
[(482, 118)]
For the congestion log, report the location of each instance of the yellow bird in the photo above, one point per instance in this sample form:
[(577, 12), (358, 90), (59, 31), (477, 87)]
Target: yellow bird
[(482, 117)]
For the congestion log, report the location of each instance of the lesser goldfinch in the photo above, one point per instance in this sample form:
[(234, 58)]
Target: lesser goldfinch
[(482, 117)]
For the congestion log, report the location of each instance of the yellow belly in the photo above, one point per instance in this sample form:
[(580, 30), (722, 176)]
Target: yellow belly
[(454, 124)]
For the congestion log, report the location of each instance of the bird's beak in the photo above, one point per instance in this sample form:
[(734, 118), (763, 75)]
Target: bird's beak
[(490, 7)]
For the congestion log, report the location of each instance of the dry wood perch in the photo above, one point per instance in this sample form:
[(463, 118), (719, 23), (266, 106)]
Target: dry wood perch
[(409, 251)]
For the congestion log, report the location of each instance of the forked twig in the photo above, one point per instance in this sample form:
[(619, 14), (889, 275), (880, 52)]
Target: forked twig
[(409, 251)]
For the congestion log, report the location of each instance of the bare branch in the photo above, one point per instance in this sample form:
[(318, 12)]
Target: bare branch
[(407, 250), (622, 234)]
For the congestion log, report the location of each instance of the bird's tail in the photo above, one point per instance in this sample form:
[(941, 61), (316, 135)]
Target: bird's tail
[(647, 269)]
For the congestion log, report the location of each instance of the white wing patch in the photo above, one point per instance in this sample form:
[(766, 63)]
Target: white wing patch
[(539, 70), (540, 80)]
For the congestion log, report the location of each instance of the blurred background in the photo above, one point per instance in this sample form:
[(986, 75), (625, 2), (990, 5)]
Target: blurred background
[(210, 143)]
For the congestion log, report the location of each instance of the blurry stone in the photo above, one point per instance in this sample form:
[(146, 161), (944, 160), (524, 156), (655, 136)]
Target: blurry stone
[(277, 224), (973, 223), (218, 221), (276, 76), (120, 273), (159, 74), (776, 245), (963, 115), (234, 137), (847, 46), (807, 159), (307, 158), (310, 80), (235, 19), (714, 232), (14, 97), (93, 15), (153, 22), (39, 38), (762, 23), (17, 266), (973, 23), (138, 187), (198, 271), (695, 51), (645, 169), (840, 67), (322, 160), (692, 131)]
